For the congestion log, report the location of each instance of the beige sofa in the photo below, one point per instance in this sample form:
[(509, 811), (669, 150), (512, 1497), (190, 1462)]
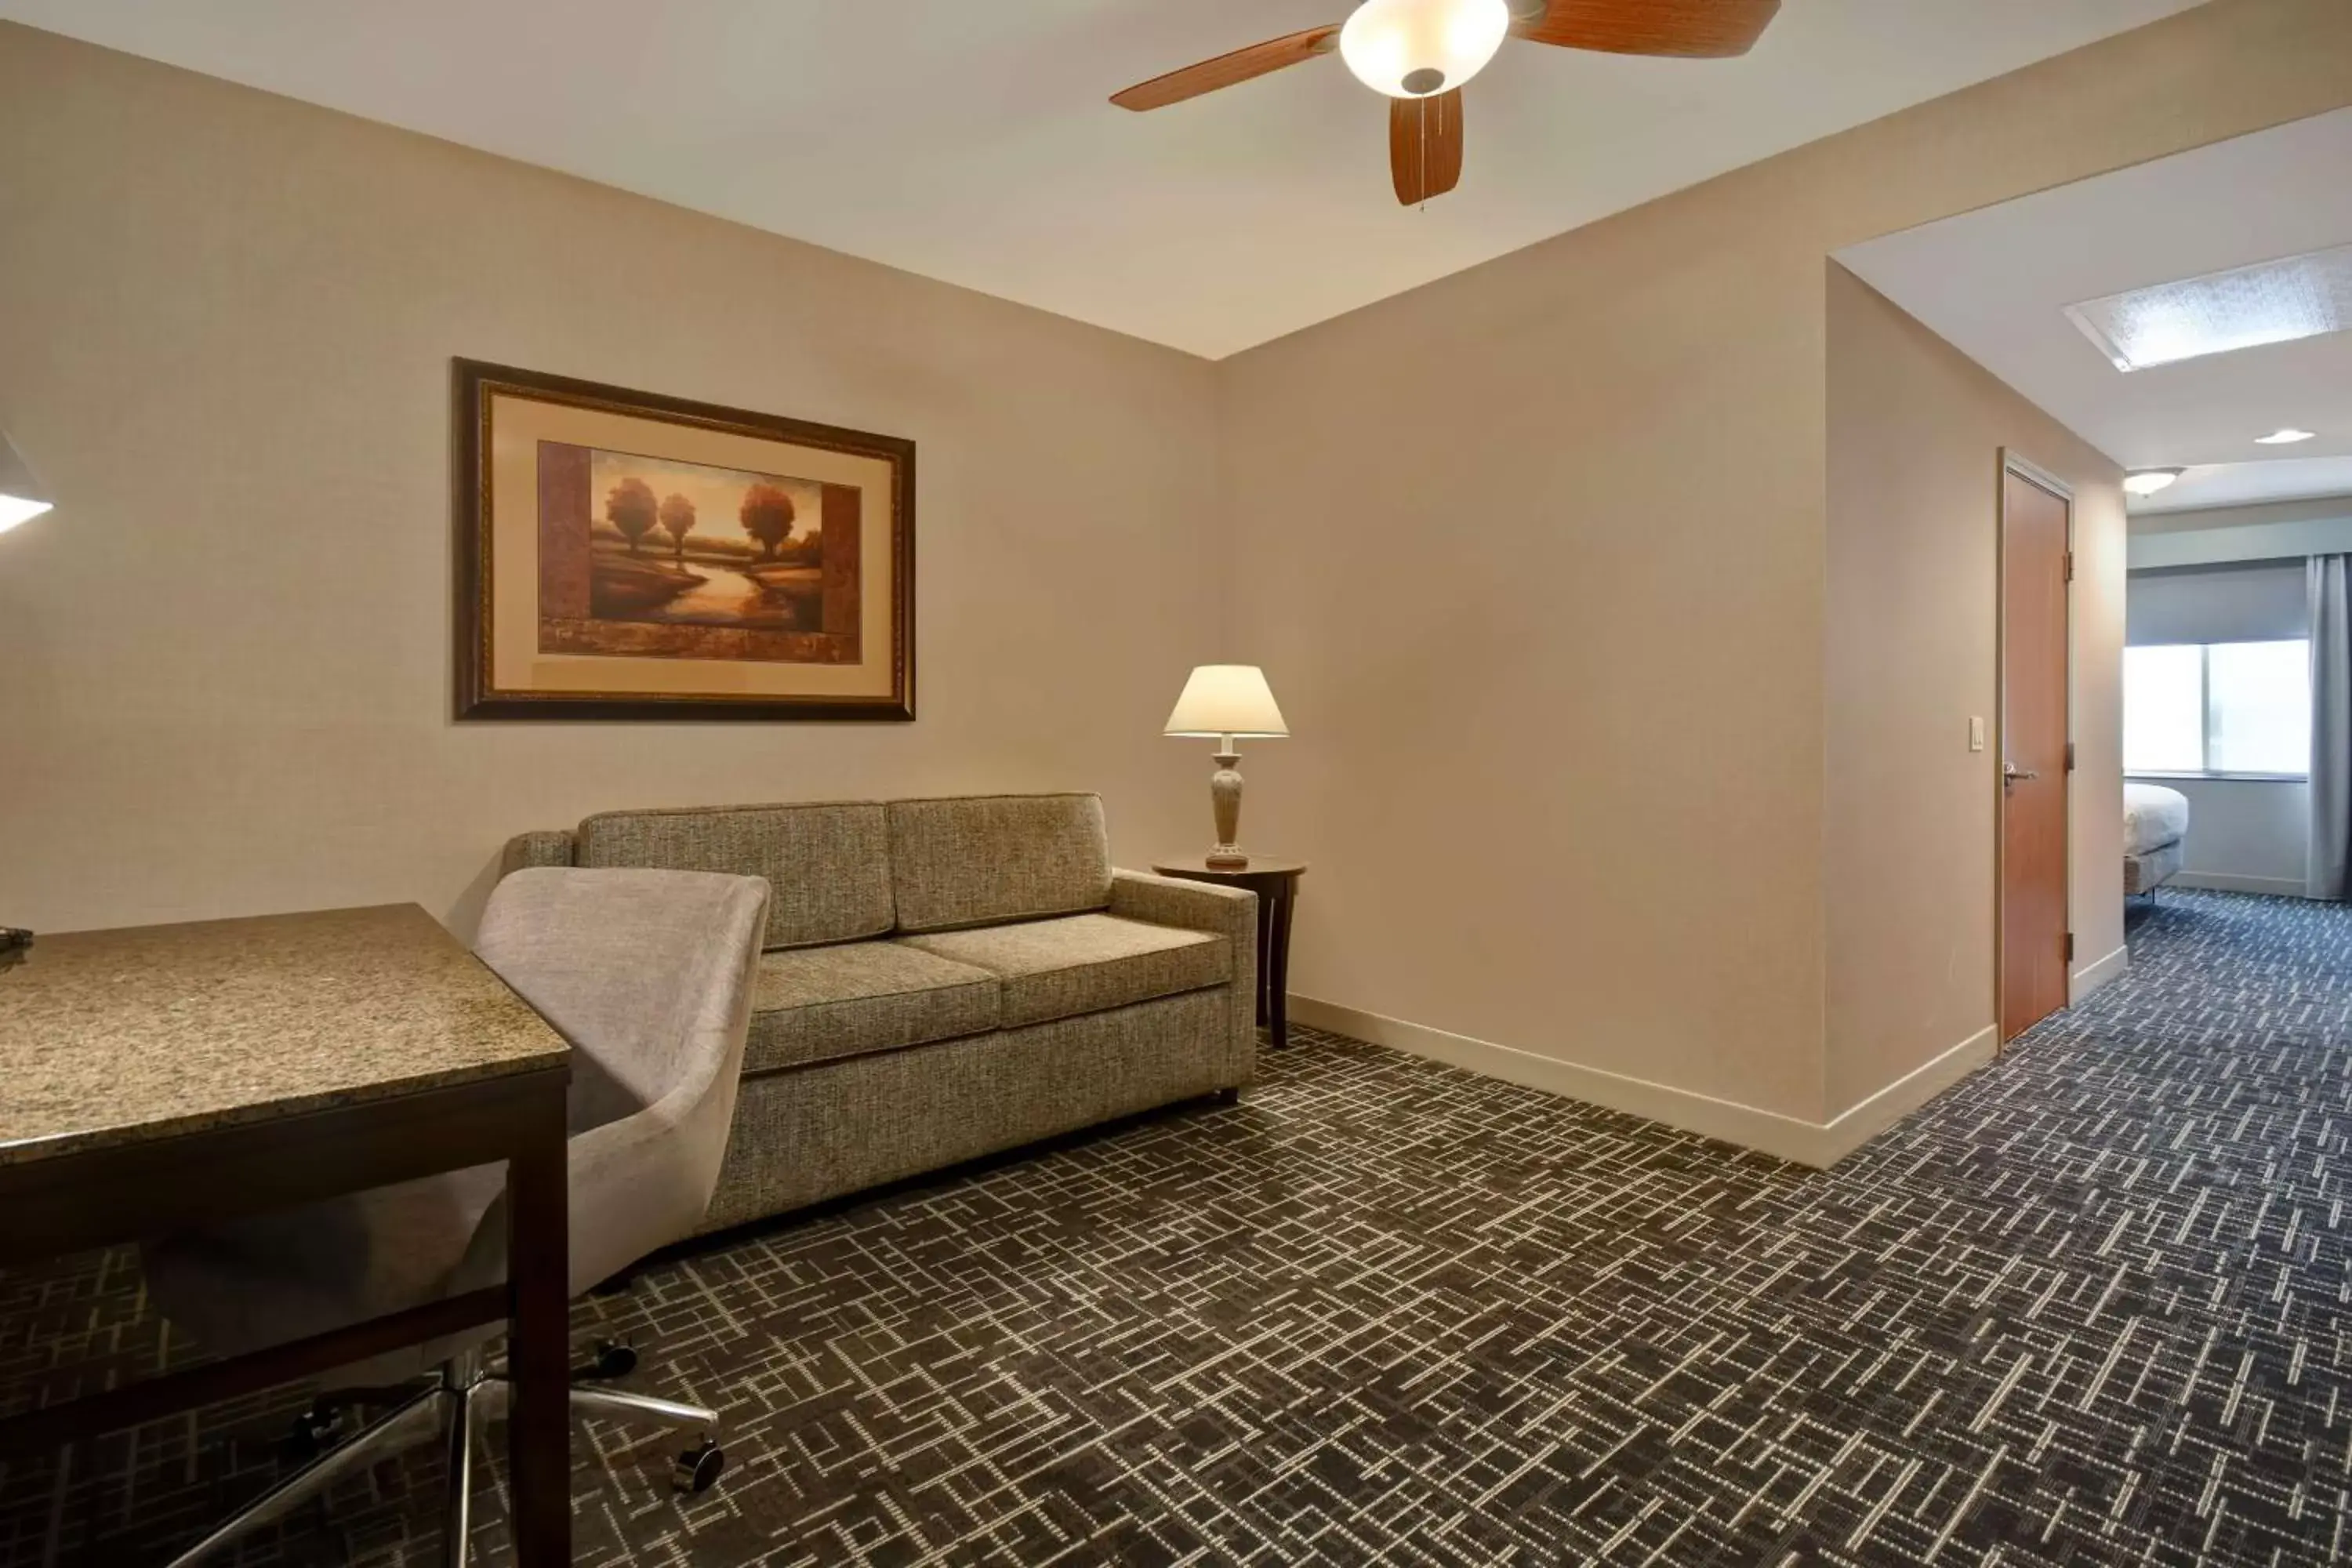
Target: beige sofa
[(943, 979)]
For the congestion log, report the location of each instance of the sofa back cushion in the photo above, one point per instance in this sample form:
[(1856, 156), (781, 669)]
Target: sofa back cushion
[(974, 860), (827, 864)]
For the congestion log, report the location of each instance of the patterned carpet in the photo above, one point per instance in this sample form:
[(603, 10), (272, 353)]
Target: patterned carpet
[(2089, 1307)]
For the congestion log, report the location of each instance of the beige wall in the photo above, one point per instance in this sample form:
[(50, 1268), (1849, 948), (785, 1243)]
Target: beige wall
[(1541, 591), (1538, 556), (1543, 558), (1908, 654), (226, 330)]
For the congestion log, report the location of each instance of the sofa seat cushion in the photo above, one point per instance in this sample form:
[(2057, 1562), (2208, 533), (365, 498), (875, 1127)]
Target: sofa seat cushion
[(1083, 963), (819, 1004)]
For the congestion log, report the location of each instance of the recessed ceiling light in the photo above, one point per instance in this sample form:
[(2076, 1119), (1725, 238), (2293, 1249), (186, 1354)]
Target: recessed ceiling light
[(2246, 306), (2147, 481), (2286, 438)]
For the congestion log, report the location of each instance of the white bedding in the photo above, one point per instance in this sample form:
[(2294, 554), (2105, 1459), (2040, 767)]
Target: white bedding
[(2154, 816)]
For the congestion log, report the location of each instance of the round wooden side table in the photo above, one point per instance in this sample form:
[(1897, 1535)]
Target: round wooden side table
[(1276, 883)]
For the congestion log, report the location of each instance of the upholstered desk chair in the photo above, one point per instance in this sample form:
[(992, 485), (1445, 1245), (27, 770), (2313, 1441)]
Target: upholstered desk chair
[(649, 975)]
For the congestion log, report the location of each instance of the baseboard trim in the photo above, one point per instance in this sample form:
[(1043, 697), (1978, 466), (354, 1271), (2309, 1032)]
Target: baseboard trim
[(1857, 1124), (2093, 977), (1817, 1144), (2229, 882)]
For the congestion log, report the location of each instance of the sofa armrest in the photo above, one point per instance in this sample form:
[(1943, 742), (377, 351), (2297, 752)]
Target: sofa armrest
[(1228, 912), (1187, 906), (546, 848)]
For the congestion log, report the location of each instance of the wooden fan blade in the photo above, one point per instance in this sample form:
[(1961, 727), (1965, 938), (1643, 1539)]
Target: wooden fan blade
[(1689, 29), (1425, 145), (1226, 70)]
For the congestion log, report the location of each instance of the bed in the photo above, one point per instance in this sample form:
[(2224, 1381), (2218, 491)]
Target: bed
[(2156, 825)]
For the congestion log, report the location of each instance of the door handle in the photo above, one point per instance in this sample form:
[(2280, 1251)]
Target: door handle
[(2011, 774)]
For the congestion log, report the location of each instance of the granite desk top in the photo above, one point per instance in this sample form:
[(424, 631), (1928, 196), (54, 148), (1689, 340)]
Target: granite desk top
[(115, 1036)]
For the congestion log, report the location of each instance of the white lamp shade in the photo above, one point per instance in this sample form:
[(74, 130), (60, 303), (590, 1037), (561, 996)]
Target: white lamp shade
[(1227, 699), (1412, 48), (21, 496)]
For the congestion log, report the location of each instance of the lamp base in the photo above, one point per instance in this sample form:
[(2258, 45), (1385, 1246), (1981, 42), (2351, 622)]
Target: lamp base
[(1226, 797)]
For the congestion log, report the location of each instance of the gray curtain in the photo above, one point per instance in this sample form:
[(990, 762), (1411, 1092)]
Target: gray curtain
[(2325, 872)]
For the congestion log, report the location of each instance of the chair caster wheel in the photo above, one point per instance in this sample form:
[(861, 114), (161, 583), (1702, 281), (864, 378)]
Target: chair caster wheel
[(695, 1469), (614, 1358)]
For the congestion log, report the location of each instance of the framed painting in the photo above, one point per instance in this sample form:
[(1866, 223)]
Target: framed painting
[(627, 556)]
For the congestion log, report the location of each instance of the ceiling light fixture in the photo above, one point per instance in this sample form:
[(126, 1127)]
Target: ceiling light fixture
[(2246, 306), (1418, 53), (2147, 481), (2286, 437), (22, 498), (1415, 49)]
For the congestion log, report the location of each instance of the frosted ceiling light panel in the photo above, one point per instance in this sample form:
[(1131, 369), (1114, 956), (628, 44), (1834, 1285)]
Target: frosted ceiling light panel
[(2244, 307)]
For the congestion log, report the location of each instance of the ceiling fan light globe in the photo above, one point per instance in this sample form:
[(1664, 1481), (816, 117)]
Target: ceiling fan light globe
[(1412, 48)]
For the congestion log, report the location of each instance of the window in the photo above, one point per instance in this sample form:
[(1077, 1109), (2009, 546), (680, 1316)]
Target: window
[(2164, 708), (2218, 708)]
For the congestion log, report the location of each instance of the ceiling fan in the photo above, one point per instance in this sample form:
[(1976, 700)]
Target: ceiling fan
[(1421, 52)]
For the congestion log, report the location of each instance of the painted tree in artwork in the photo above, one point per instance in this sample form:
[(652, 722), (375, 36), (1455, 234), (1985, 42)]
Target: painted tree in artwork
[(768, 518), (677, 521), (630, 508)]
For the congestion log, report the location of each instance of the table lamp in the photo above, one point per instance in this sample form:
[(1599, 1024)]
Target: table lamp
[(22, 497), (1222, 703)]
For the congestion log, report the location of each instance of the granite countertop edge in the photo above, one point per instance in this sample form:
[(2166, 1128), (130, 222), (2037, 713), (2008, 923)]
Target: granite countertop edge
[(81, 1140)]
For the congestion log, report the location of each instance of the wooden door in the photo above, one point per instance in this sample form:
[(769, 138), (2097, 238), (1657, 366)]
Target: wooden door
[(2037, 526)]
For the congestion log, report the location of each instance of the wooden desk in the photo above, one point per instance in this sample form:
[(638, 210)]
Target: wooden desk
[(163, 1077), (1276, 883)]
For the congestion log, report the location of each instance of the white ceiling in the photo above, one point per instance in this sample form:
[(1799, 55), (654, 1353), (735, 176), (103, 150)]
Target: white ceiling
[(2251, 484), (1995, 282), (971, 140)]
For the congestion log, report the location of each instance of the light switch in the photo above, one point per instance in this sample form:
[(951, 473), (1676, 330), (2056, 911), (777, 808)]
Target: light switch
[(1976, 733)]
